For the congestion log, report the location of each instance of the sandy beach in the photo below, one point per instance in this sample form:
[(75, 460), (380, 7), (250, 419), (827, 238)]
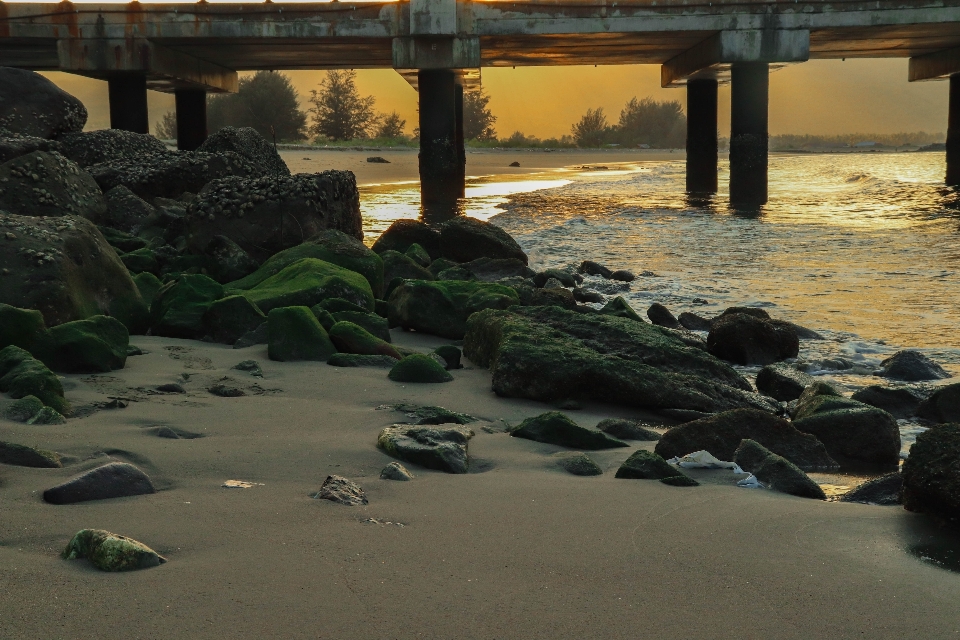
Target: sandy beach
[(517, 548)]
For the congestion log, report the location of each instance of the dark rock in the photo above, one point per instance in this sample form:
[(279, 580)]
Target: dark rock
[(577, 463), (680, 481), (22, 328), (95, 345), (721, 434), (378, 160), (348, 337), (943, 405), (550, 354), (260, 335), (753, 312), (432, 415), (249, 145), (627, 429), (47, 184), (776, 472), (645, 465), (403, 233), (22, 375), (900, 402), (454, 273), (444, 449), (440, 265), (623, 276), (111, 552), (592, 268), (17, 146), (911, 366), (396, 471), (782, 381), (693, 322), (88, 148), (31, 105), (851, 430), (564, 278), (419, 368), (684, 415), (884, 491), (127, 212), (355, 360), (621, 309), (21, 456), (114, 480), (451, 355), (586, 295), (340, 490), (228, 261), (556, 428), (180, 305), (249, 366), (418, 254), (442, 308), (464, 239), (399, 265), (747, 339), (47, 415), (308, 282), (295, 334), (493, 269), (339, 305), (172, 387), (931, 475), (134, 350), (805, 334), (514, 164), (660, 315), (226, 391), (121, 240), (229, 319), (533, 297)]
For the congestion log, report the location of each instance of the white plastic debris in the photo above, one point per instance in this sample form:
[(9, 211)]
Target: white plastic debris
[(703, 460), (750, 482), (240, 484)]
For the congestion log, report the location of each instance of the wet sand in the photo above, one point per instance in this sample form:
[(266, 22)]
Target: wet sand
[(516, 549)]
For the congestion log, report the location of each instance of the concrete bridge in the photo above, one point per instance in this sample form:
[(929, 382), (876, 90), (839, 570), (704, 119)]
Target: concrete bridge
[(439, 45)]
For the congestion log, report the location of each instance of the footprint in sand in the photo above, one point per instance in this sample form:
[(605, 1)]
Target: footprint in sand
[(189, 361)]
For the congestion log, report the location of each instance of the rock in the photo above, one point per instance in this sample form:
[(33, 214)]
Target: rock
[(48, 415), (514, 164), (586, 295), (340, 490), (444, 449), (419, 368), (249, 366), (577, 463), (295, 334), (23, 328), (814, 390), (403, 233), (229, 319), (324, 317), (487, 269), (563, 277), (440, 265), (776, 472), (553, 283), (464, 239), (592, 268), (884, 491), (114, 480), (348, 337), (550, 354), (680, 481), (338, 305), (23, 409), (355, 360), (370, 322), (931, 475), (17, 146), (619, 308), (22, 375), (623, 276), (95, 345), (148, 285), (171, 388), (126, 212), (556, 428), (900, 402), (626, 429), (693, 322), (399, 265), (21, 456), (31, 105), (378, 160), (141, 261), (226, 391), (432, 415), (227, 260), (44, 184), (64, 268), (111, 552), (260, 335), (851, 430), (418, 254), (87, 148), (911, 366), (754, 312), (306, 283), (644, 465), (451, 355), (249, 145), (747, 339), (396, 471), (782, 381), (721, 434), (180, 305), (248, 210), (533, 297), (660, 315), (442, 308), (943, 405)]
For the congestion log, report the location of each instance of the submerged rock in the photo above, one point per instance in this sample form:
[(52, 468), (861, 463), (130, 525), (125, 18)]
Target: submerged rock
[(396, 471), (464, 239), (911, 366), (782, 382), (340, 490), (111, 552), (21, 456), (931, 475), (577, 463), (32, 105), (748, 339), (419, 368), (627, 429), (776, 472), (114, 480), (441, 448), (442, 308), (592, 268), (556, 428), (883, 491)]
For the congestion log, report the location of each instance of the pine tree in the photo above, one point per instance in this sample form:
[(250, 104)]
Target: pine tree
[(339, 112)]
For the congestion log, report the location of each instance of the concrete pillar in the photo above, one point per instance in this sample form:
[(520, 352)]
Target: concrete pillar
[(702, 136), (128, 102), (953, 132), (441, 170), (191, 118), (461, 150), (750, 83)]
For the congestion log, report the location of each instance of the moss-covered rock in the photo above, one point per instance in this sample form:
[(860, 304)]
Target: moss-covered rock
[(551, 354), (577, 463), (931, 475), (747, 339), (620, 308), (141, 261), (306, 283), (627, 429), (230, 318), (295, 334), (180, 305), (148, 285), (419, 368), (95, 345), (464, 239), (324, 317), (23, 409), (851, 430), (227, 261), (401, 234), (23, 375), (20, 327), (783, 382), (776, 472), (47, 415), (418, 254), (399, 265), (358, 360), (646, 465), (444, 449), (442, 308), (440, 265), (556, 428), (370, 322), (943, 405), (21, 456), (335, 305), (348, 337), (111, 552)]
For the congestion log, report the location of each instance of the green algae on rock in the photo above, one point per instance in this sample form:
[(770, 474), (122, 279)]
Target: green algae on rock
[(556, 428), (399, 265), (444, 449), (403, 233), (23, 375), (95, 345), (850, 430), (295, 334), (348, 337), (620, 308), (22, 456), (418, 254), (577, 463), (20, 327), (442, 308), (179, 305), (111, 552), (431, 415), (306, 283), (23, 409), (230, 318), (358, 360), (646, 465), (369, 321), (47, 415), (627, 429), (419, 368)]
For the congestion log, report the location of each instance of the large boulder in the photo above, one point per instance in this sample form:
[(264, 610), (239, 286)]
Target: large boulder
[(249, 145), (551, 354), (900, 402), (442, 308), (556, 428), (17, 146), (443, 448), (229, 319), (22, 328), (47, 184), (943, 405), (404, 233), (23, 456), (721, 434), (884, 491), (931, 475), (114, 480), (776, 472), (419, 368), (22, 375), (88, 148), (111, 552), (31, 105), (308, 282), (911, 366), (782, 382), (295, 334), (127, 212), (265, 214), (94, 345), (850, 430), (330, 246), (747, 339), (180, 305), (64, 268), (227, 261), (464, 239)]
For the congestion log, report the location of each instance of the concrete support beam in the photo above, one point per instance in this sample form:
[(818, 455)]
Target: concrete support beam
[(749, 93), (433, 17), (436, 53), (441, 169), (191, 118), (702, 136), (128, 102), (953, 133), (461, 148), (713, 57), (938, 65), (165, 69)]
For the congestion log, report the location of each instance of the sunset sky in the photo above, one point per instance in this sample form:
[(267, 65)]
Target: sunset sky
[(817, 97)]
